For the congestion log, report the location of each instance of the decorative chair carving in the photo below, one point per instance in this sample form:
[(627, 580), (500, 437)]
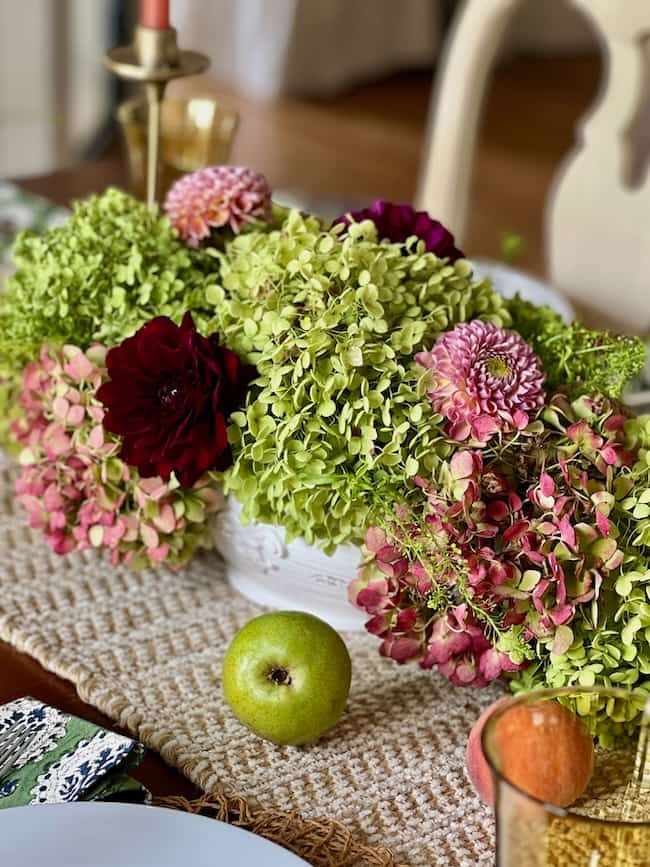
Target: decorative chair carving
[(598, 212)]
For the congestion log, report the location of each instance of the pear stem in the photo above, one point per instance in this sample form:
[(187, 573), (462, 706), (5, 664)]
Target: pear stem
[(280, 676)]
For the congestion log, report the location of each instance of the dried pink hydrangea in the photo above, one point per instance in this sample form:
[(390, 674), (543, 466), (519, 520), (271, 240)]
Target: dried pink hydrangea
[(215, 197), (503, 550), (484, 379), (75, 487)]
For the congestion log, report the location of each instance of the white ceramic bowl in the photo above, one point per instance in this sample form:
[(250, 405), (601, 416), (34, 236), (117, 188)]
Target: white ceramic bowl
[(294, 576)]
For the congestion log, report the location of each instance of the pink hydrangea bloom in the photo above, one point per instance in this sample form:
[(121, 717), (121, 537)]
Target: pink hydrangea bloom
[(501, 550), (214, 197), (484, 379), (73, 484)]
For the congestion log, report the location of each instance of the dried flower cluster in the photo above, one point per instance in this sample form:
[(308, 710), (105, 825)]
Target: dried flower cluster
[(74, 485), (348, 382)]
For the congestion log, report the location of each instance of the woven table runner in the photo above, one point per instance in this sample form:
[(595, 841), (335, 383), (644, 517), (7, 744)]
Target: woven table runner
[(147, 648)]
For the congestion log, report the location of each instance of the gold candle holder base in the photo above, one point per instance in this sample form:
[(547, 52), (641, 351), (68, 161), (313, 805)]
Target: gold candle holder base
[(154, 59), (194, 133)]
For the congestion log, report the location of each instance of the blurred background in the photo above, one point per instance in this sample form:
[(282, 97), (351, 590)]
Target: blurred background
[(333, 98)]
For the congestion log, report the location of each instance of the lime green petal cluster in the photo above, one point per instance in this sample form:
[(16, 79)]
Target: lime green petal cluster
[(588, 362), (112, 266), (338, 417)]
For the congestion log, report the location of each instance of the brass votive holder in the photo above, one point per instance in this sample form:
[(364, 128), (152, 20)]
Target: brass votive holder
[(194, 133), (154, 59)]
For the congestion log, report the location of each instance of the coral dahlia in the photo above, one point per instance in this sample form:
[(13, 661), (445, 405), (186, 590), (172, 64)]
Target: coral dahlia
[(217, 196), (483, 379)]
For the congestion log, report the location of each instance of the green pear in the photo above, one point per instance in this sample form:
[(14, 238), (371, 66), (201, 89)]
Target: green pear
[(286, 675)]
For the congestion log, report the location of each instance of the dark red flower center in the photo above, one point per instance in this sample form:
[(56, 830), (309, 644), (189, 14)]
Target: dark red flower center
[(169, 393)]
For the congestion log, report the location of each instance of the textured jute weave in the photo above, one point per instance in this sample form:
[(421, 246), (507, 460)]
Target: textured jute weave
[(147, 649)]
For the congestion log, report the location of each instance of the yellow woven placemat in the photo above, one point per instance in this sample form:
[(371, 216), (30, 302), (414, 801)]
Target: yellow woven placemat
[(146, 649)]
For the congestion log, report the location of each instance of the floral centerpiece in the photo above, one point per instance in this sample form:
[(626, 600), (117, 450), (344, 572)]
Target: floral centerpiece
[(350, 382)]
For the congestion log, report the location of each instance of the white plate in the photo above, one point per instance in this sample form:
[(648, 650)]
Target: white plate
[(510, 281), (127, 835)]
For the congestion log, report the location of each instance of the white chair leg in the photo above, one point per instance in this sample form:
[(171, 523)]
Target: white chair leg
[(443, 188)]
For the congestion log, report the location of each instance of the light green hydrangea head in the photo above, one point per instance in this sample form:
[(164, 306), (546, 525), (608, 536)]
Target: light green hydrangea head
[(112, 266), (337, 420)]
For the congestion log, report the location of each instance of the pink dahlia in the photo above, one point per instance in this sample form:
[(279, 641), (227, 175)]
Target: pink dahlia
[(214, 197), (483, 379)]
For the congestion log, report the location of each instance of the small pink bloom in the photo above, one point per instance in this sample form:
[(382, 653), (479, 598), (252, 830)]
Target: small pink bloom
[(603, 524), (149, 536), (561, 643), (498, 510), (562, 614), (516, 531), (406, 620), (464, 464), (567, 532), (78, 366), (547, 485), (60, 407), (463, 671), (373, 598), (483, 379), (493, 663), (400, 649), (75, 415), (96, 437), (584, 437), (165, 520), (214, 197), (158, 554), (375, 539), (616, 455), (519, 419), (614, 424)]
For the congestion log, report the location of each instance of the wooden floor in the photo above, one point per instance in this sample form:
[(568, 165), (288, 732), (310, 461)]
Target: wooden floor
[(367, 144)]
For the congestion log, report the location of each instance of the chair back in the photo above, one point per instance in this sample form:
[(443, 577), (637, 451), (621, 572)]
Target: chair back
[(598, 212)]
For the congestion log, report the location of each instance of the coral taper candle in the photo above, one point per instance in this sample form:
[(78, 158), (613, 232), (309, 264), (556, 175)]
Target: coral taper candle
[(154, 14)]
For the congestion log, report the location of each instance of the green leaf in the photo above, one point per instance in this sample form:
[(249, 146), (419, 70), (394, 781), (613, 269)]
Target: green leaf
[(327, 408), (411, 467)]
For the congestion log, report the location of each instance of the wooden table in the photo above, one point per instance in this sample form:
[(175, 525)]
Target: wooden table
[(365, 144), (20, 675)]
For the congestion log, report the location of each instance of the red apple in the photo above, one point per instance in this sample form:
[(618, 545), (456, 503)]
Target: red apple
[(544, 750), (478, 769)]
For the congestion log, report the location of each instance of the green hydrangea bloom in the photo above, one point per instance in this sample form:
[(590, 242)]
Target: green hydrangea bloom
[(337, 421), (112, 266), (588, 362)]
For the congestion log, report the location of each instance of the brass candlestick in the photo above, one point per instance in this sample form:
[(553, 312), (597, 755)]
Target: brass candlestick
[(154, 58)]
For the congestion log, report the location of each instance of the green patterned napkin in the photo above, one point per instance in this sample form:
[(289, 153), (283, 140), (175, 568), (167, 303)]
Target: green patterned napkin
[(19, 211), (68, 760)]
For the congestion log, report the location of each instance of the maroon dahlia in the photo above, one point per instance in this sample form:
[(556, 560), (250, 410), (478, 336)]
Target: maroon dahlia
[(169, 396), (396, 223)]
